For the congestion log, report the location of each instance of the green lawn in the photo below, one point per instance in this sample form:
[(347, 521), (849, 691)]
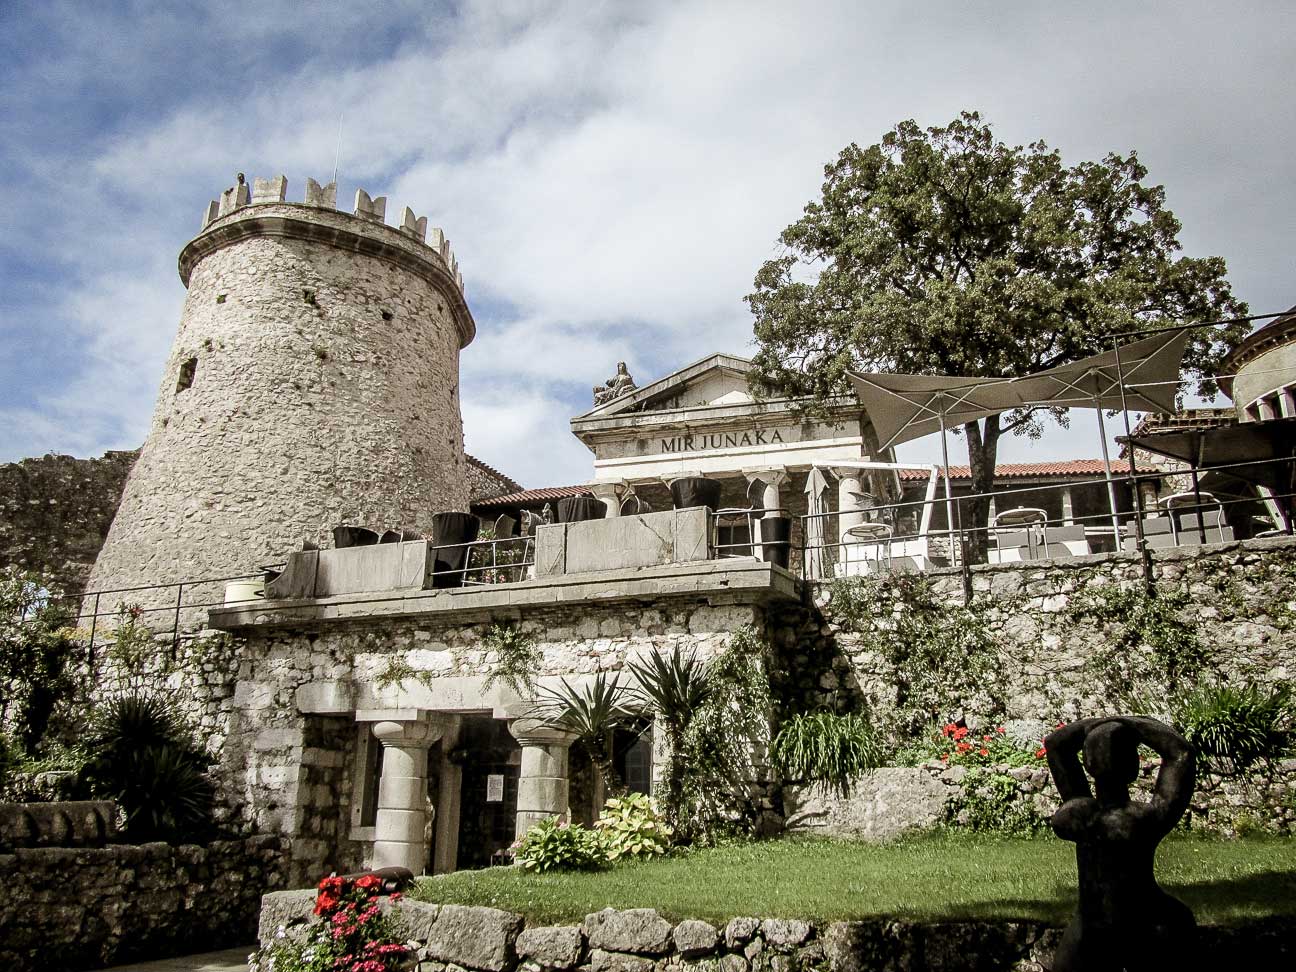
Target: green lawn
[(941, 876)]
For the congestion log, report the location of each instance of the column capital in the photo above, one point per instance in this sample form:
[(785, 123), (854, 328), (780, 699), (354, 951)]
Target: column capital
[(768, 476), (531, 731), (411, 734)]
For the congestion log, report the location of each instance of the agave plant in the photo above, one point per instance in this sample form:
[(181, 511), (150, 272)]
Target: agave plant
[(140, 753), (592, 712), (1236, 727), (823, 747), (677, 688)]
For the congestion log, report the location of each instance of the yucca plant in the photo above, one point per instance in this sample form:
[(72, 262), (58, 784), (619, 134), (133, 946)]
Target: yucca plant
[(140, 753), (1236, 727), (826, 748), (676, 688), (592, 711)]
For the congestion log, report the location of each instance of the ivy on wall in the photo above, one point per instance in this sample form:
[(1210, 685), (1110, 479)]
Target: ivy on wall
[(518, 658), (943, 657)]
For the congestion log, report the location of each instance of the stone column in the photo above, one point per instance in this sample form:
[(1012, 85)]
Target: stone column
[(771, 480), (1068, 510), (609, 494), (850, 513), (402, 792), (543, 783)]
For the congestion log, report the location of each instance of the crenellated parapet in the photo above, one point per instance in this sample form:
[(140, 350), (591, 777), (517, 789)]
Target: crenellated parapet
[(274, 191)]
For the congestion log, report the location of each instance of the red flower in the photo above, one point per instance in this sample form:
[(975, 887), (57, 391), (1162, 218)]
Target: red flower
[(1001, 730), (325, 903), (369, 882), (1041, 753), (986, 738), (983, 751), (960, 732), (963, 747), (949, 729)]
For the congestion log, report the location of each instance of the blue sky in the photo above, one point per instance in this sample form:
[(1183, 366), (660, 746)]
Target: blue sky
[(611, 175)]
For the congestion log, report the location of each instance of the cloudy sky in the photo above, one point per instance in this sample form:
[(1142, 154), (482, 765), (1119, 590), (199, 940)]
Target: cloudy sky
[(611, 174)]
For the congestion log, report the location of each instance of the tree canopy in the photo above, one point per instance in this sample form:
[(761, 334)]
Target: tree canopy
[(945, 251)]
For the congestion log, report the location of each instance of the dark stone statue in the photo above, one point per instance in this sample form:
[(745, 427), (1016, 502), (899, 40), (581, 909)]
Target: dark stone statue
[(619, 384), (1124, 921)]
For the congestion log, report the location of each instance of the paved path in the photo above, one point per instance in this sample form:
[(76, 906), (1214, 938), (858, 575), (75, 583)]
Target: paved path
[(230, 960)]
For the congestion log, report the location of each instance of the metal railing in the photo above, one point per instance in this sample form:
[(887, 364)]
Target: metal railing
[(886, 537)]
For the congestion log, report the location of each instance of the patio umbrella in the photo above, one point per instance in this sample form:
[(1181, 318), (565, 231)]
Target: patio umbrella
[(904, 407), (815, 486), (1141, 376)]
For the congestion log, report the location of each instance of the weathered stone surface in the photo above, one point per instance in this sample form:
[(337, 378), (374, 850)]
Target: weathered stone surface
[(881, 805), (638, 930), (554, 947), (733, 963), (784, 933), (477, 938), (283, 909), (417, 918), (74, 823), (739, 931), (694, 938), (604, 961)]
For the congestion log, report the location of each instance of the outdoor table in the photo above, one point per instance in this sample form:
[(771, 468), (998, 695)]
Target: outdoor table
[(869, 536), (1022, 518)]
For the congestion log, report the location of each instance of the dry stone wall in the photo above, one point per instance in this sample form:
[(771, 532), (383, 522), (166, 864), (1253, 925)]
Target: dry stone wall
[(55, 512), (448, 938), (75, 908)]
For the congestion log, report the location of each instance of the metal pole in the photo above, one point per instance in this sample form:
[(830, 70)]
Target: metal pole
[(1111, 486), (949, 503), (1201, 513), (175, 628), (94, 623), (1141, 541)]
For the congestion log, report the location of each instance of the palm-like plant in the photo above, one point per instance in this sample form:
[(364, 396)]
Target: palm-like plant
[(676, 688), (591, 712)]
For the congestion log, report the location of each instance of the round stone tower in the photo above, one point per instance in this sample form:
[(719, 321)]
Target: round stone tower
[(314, 381)]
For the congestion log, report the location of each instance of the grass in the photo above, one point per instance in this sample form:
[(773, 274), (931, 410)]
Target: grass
[(942, 876)]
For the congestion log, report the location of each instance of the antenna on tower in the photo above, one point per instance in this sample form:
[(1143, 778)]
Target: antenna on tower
[(337, 152)]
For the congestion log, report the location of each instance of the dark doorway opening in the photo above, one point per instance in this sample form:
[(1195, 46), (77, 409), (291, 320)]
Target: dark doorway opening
[(490, 758)]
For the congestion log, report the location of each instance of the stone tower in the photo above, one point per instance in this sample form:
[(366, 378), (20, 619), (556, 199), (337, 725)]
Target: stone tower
[(314, 380)]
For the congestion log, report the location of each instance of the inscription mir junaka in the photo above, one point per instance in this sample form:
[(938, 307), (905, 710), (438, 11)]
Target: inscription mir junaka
[(724, 440)]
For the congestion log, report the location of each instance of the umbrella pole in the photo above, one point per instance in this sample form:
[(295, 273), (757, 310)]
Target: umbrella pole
[(949, 503), (1111, 486)]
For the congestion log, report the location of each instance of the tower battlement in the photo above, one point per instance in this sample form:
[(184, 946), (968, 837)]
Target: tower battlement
[(264, 192)]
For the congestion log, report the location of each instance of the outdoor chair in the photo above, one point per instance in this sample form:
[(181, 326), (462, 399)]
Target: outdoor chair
[(1012, 546), (866, 549), (1066, 541), (1212, 521), (1157, 530)]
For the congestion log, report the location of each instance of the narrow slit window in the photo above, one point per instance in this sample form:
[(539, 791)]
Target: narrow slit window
[(187, 371)]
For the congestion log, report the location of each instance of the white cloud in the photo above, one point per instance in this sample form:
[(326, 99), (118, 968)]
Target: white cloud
[(611, 175)]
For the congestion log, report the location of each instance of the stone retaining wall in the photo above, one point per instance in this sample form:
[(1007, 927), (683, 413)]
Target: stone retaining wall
[(893, 800), (1241, 605), (452, 938), (71, 908)]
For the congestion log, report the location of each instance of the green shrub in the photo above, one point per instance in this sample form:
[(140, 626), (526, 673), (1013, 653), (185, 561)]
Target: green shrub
[(518, 658), (1237, 727), (37, 646), (630, 827), (990, 802), (556, 845), (957, 745), (140, 753), (826, 748)]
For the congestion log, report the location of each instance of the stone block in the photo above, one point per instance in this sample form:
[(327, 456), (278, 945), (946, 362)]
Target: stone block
[(326, 698), (284, 909), (784, 932), (605, 961), (373, 568), (552, 947), (551, 550), (739, 931), (277, 739), (694, 938), (638, 930), (692, 533), (476, 938), (881, 805), (416, 918), (269, 190)]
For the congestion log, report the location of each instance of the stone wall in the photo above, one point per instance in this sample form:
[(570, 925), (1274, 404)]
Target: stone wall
[(451, 937), (1239, 601), (85, 907), (894, 800), (279, 710), (55, 512), (485, 481)]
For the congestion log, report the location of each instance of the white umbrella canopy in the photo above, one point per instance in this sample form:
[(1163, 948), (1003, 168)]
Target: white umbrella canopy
[(1142, 376), (904, 407)]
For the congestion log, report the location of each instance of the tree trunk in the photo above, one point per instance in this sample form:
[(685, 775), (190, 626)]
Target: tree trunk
[(983, 448)]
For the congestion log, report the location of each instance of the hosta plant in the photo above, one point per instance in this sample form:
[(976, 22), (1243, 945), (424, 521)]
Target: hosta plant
[(556, 845), (630, 827)]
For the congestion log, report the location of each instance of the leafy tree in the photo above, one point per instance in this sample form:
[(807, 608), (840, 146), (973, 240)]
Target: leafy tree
[(37, 647), (947, 252)]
